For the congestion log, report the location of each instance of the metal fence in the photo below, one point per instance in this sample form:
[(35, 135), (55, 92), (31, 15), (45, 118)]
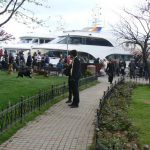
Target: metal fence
[(107, 95), (17, 112), (138, 80)]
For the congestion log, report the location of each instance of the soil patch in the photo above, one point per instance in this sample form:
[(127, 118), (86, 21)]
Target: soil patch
[(147, 102)]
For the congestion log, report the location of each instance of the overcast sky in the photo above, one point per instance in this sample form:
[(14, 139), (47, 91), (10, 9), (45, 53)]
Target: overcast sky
[(73, 14)]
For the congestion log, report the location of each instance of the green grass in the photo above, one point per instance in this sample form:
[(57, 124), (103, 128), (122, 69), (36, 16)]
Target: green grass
[(7, 134), (12, 88), (140, 112)]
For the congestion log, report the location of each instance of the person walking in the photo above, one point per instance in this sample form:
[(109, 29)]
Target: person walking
[(75, 74), (122, 66), (132, 68), (110, 71)]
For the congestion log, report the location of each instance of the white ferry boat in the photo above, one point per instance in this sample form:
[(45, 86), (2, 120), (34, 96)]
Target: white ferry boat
[(90, 45)]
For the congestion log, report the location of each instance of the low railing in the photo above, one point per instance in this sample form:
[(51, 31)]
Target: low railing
[(138, 80), (17, 112), (107, 95)]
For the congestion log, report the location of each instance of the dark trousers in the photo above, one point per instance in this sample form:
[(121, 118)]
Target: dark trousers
[(75, 91), (122, 72), (110, 77), (70, 89)]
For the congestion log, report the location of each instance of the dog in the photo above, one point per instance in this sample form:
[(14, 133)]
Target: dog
[(24, 72)]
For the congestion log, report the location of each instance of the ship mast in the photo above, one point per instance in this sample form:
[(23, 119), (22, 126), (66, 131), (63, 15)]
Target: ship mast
[(95, 19), (96, 16)]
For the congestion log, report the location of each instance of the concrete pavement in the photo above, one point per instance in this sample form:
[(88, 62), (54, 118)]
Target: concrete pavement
[(61, 127)]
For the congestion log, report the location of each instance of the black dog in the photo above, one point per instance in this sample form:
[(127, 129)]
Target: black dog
[(24, 72)]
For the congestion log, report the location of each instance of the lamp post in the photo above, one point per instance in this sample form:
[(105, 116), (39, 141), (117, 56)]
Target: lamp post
[(67, 43)]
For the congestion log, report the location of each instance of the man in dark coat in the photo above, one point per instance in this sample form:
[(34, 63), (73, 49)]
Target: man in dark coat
[(75, 75), (110, 71)]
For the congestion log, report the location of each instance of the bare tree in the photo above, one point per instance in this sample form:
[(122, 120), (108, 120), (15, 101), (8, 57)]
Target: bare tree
[(134, 28), (17, 9), (4, 36)]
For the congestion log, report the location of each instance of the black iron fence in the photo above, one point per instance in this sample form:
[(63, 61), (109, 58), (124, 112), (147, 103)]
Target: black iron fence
[(17, 112), (103, 102)]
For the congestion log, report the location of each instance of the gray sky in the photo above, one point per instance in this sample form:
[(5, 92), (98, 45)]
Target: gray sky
[(73, 14)]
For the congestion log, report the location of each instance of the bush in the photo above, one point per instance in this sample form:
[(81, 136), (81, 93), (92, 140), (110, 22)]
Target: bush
[(87, 73), (116, 129)]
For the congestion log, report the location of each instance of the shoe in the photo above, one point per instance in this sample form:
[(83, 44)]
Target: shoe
[(69, 101), (71, 104), (74, 106)]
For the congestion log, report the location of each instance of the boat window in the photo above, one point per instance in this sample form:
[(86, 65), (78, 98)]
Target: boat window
[(128, 57), (111, 57), (75, 40), (81, 40), (35, 41), (48, 40), (98, 42), (85, 57), (54, 53), (125, 57), (41, 41), (65, 40), (28, 40), (58, 40), (51, 54)]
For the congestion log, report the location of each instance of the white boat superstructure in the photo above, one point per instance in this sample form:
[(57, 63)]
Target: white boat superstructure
[(35, 39), (98, 45), (25, 43)]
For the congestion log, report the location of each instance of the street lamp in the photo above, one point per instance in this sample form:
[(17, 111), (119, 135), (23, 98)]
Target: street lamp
[(67, 43)]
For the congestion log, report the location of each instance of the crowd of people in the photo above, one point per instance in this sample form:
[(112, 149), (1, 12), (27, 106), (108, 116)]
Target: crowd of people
[(114, 68), (135, 68), (36, 62)]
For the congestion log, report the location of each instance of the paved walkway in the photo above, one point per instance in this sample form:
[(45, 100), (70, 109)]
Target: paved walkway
[(61, 127)]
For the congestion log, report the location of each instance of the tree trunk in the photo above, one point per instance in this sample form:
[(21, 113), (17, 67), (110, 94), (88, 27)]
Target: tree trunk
[(147, 64)]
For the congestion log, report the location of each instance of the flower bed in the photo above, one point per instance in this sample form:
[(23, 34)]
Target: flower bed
[(115, 130)]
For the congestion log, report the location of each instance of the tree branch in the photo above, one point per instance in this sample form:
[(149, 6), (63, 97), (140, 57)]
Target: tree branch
[(14, 9), (2, 12)]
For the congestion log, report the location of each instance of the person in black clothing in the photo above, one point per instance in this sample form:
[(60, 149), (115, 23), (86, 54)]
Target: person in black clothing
[(110, 71), (75, 74), (132, 68), (122, 66), (29, 60)]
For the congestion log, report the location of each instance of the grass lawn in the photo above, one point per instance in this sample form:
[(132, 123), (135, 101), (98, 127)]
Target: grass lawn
[(15, 87), (140, 112), (12, 88)]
